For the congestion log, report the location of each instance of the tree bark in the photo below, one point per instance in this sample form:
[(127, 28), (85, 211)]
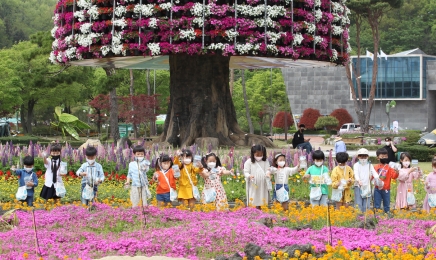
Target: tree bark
[(232, 80), (29, 120), (113, 100), (201, 104), (247, 108)]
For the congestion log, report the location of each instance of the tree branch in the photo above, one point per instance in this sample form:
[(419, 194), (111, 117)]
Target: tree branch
[(54, 74)]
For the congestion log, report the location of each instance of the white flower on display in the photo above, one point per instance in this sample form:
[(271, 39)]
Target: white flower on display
[(69, 38), (336, 7), (336, 17), (272, 48), (231, 34), (118, 49), (55, 18), (85, 27), (244, 48), (93, 12), (120, 22), (298, 38), (318, 15), (317, 3), (260, 22), (197, 10), (71, 53), (310, 27), (105, 49), (53, 31), (216, 46), (337, 30), (199, 21), (152, 23), (52, 58), (154, 48), (84, 40), (318, 39), (273, 36), (145, 10), (120, 11), (84, 3), (54, 44), (116, 38), (334, 55), (80, 15), (59, 56), (187, 34), (165, 6), (345, 20), (276, 10)]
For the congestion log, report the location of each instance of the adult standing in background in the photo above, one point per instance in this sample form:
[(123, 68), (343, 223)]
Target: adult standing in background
[(389, 145), (340, 146)]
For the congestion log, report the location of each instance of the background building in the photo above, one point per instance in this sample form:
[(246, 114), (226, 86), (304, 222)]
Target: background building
[(408, 77)]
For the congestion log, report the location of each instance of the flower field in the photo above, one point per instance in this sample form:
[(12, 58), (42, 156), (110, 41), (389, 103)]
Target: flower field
[(73, 232)]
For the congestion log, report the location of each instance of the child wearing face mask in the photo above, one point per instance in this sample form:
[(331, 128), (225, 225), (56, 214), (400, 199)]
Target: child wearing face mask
[(363, 172), (137, 174), (257, 173), (386, 174), (188, 176), (53, 174), (281, 175), (430, 188), (166, 182), (319, 179), (212, 172), (28, 178), (405, 183), (91, 172), (343, 179)]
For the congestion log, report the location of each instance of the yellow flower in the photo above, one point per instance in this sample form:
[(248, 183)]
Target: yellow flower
[(225, 182), (25, 255)]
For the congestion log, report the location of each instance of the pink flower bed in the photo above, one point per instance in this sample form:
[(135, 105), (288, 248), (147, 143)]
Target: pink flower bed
[(73, 231)]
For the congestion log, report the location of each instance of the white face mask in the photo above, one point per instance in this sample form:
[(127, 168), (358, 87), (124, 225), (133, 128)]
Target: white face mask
[(211, 165), (281, 163), (140, 159), (258, 158), (187, 161), (28, 169), (90, 161), (363, 161), (406, 164), (342, 167), (388, 143), (319, 163)]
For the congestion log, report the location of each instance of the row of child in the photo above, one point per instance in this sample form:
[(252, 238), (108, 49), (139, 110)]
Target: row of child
[(363, 180), (343, 179)]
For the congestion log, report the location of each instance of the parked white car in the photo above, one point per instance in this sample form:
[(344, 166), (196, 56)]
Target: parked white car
[(349, 127)]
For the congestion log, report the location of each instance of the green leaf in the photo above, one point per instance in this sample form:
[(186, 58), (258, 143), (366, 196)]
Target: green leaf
[(82, 125), (70, 129), (67, 118), (58, 111)]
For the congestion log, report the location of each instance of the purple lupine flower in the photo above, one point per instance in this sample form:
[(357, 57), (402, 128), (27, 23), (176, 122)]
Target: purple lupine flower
[(4, 161), (310, 158), (80, 158), (117, 167), (153, 163), (332, 163), (244, 159), (209, 148), (32, 151)]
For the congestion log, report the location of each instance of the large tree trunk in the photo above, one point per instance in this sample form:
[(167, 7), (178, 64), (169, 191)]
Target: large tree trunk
[(201, 104), (113, 100)]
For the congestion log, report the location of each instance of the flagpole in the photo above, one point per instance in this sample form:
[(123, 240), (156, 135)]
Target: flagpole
[(381, 94)]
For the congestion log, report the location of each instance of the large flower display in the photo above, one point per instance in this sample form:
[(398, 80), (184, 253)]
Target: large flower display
[(299, 29)]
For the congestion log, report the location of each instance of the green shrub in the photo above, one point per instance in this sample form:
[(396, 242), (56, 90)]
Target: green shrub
[(420, 152), (24, 140), (412, 136), (328, 122)]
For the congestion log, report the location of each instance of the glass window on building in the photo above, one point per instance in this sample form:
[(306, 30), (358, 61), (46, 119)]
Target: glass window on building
[(398, 77)]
